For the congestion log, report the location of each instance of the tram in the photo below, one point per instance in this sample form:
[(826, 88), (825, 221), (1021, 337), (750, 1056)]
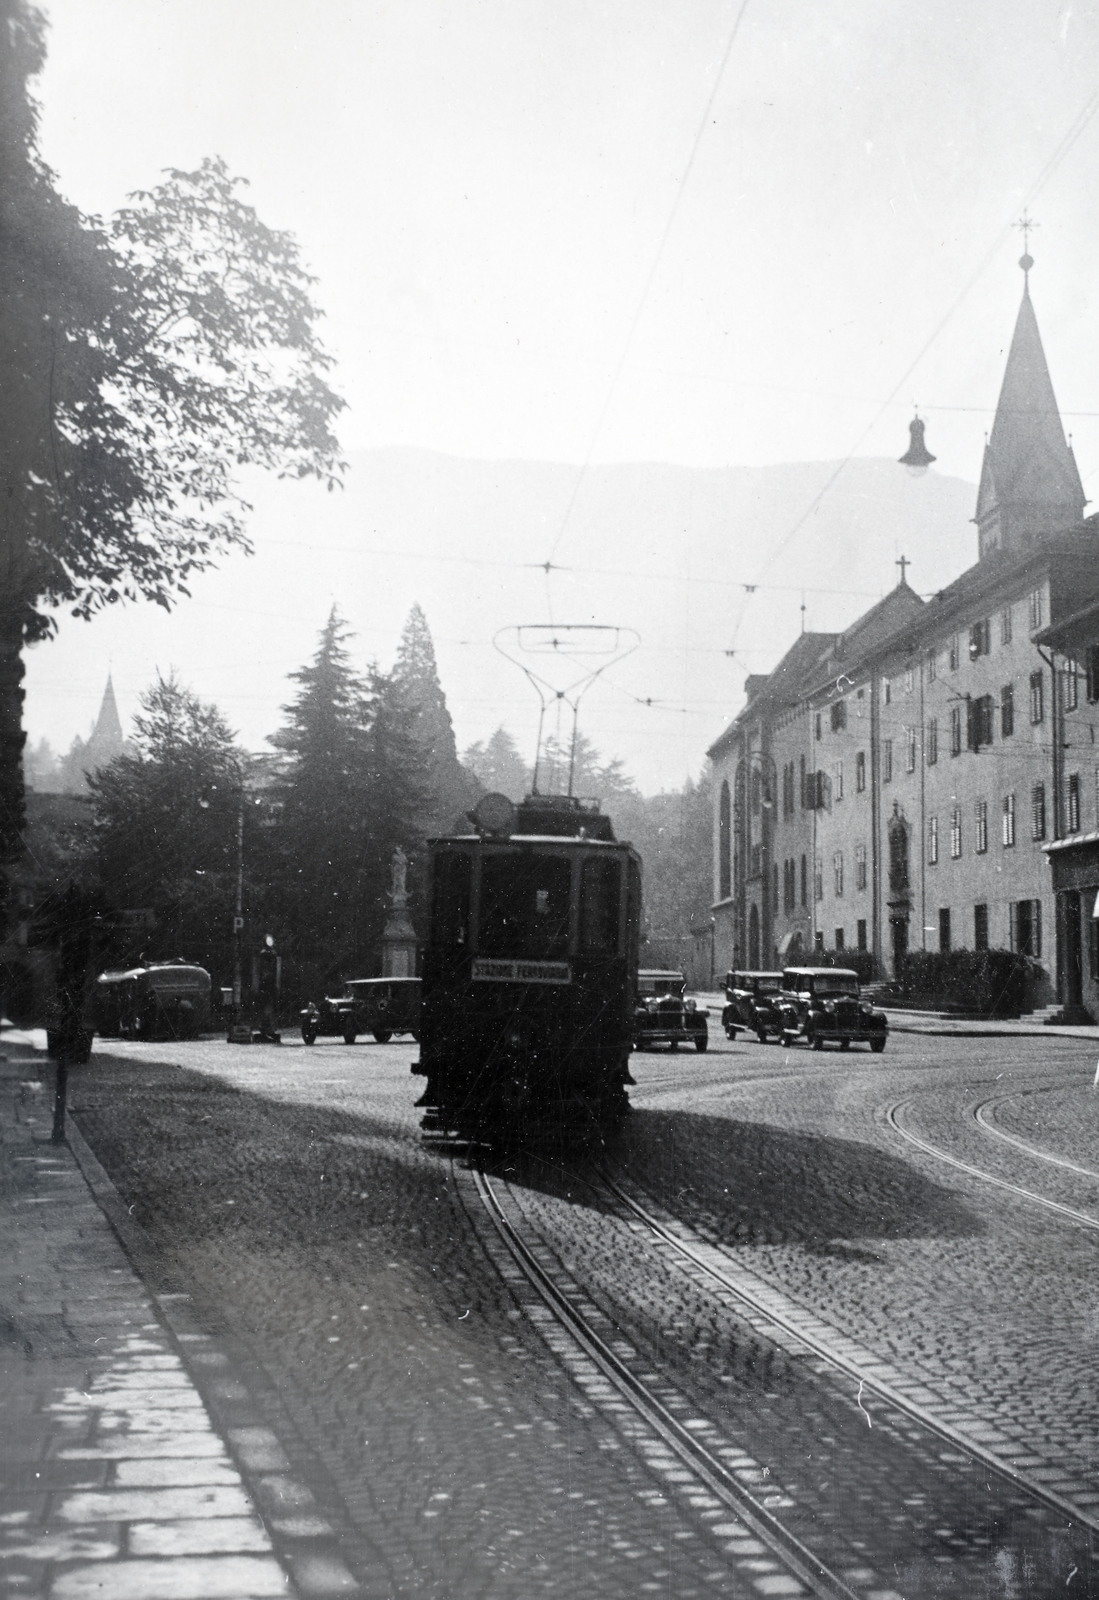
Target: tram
[(529, 971)]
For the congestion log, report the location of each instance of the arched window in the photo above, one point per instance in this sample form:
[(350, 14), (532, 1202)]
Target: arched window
[(724, 845)]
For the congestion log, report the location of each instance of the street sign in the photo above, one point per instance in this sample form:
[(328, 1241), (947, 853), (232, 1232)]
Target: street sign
[(238, 924)]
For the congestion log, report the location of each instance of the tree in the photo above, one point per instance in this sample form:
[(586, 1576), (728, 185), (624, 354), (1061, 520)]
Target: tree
[(498, 766), (142, 365), (349, 792), (165, 823), (415, 684), (591, 775)]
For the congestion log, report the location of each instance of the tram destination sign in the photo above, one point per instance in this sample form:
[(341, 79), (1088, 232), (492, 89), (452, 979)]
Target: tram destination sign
[(522, 972)]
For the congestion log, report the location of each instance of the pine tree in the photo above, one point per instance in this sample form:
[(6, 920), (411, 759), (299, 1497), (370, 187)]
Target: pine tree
[(498, 766), (415, 683)]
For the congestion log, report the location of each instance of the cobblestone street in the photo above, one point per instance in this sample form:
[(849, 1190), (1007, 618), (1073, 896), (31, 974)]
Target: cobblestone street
[(284, 1201)]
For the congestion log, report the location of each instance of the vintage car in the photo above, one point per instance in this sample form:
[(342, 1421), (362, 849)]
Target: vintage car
[(381, 1006), (751, 997), (664, 1016), (823, 1003)]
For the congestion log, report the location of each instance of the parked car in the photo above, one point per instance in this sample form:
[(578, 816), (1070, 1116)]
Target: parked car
[(751, 997), (824, 1003), (381, 1006), (385, 1006), (663, 1015)]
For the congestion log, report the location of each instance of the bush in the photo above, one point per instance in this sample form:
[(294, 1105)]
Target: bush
[(992, 983)]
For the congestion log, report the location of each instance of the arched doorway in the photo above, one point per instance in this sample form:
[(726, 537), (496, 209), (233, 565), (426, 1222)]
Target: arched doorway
[(753, 937)]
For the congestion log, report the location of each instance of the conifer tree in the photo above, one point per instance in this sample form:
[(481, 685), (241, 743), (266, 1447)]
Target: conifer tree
[(415, 684), (498, 766)]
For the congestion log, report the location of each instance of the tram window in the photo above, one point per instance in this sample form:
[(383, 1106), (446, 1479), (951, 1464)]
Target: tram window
[(451, 898), (599, 905), (524, 906)]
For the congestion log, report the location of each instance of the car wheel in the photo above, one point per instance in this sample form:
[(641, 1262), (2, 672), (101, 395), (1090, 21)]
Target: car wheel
[(673, 1045), (350, 1036), (788, 1039), (415, 1034), (761, 1035), (877, 1045), (309, 1035), (701, 1041), (382, 1035), (817, 1041), (845, 1044)]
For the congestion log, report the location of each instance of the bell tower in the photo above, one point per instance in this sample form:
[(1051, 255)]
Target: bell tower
[(1030, 485)]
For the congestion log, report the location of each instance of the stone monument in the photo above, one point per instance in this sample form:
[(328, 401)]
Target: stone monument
[(399, 937)]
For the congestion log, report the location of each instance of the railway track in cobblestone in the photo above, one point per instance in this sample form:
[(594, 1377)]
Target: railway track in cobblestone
[(1082, 1219), (718, 1485), (674, 1431), (982, 1114)]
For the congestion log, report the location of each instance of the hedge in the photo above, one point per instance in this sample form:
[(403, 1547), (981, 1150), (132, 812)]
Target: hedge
[(992, 983)]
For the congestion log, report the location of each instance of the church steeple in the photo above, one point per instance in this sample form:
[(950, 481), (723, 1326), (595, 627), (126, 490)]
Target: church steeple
[(1030, 486)]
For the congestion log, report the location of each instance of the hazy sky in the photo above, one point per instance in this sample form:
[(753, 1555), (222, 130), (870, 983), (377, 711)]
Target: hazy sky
[(571, 231)]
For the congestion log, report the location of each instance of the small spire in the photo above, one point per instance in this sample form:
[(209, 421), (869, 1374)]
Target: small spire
[(1026, 260)]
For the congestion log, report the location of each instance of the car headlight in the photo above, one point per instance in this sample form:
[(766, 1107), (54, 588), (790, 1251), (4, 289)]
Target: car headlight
[(690, 1005)]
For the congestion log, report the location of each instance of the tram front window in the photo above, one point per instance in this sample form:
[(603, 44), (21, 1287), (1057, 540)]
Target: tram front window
[(525, 906), (599, 905), (451, 899)]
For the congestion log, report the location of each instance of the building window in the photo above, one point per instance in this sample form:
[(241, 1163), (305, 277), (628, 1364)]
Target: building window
[(1037, 699), (838, 715), (1091, 671), (1038, 811), (818, 939), (980, 927), (837, 780), (837, 873), (932, 742), (955, 833), (980, 717), (1008, 834), (804, 796), (954, 653), (955, 730), (860, 772), (1072, 803), (816, 725), (1069, 689), (887, 761), (981, 820), (1007, 711), (860, 933), (1034, 609), (979, 639), (757, 860), (804, 882), (839, 938), (886, 691), (860, 866), (774, 884), (944, 928), (818, 881), (910, 749), (1005, 625), (932, 666), (909, 679), (932, 841)]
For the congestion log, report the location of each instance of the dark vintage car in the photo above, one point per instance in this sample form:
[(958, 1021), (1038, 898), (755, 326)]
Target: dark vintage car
[(823, 1003), (664, 1016), (167, 1000), (750, 1004), (381, 1006)]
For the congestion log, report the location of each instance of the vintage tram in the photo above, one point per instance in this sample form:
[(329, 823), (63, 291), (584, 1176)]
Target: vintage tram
[(529, 971)]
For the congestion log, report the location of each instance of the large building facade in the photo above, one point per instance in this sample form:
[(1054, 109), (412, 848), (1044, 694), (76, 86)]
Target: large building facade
[(896, 786)]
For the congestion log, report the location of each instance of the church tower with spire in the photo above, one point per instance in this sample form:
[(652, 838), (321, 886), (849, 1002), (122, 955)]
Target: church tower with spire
[(1030, 486)]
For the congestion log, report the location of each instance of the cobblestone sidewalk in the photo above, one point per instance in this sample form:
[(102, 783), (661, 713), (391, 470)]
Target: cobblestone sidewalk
[(113, 1481)]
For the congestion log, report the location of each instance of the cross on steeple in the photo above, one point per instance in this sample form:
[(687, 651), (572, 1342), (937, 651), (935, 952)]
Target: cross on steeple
[(1026, 228), (902, 562)]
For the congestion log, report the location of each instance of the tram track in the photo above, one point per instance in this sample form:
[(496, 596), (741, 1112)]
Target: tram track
[(700, 1454), (1081, 1219), (981, 1117), (683, 1429)]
